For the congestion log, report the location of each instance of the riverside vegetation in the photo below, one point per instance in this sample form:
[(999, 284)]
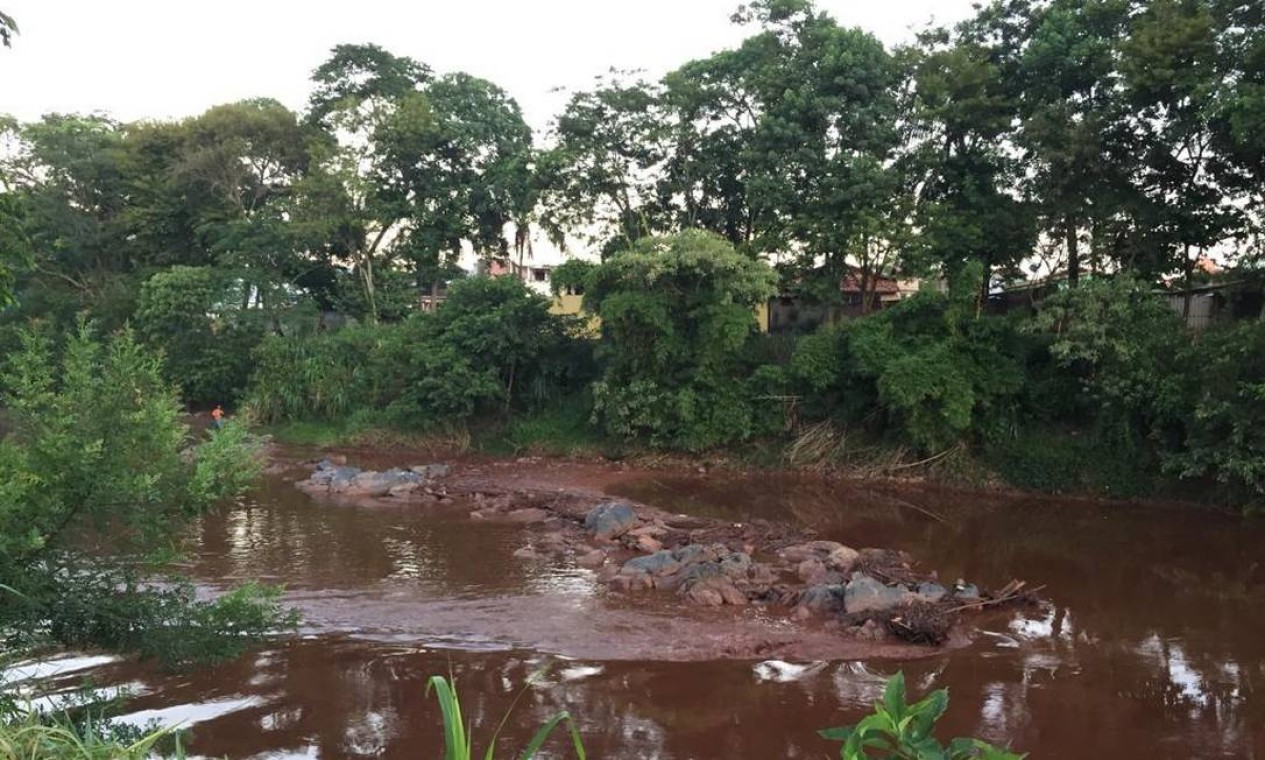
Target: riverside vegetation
[(153, 264), (1112, 141)]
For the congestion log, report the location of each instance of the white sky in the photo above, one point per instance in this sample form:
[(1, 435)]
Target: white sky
[(137, 59)]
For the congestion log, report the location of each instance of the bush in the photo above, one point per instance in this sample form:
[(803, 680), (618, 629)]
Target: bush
[(897, 730), (97, 451), (676, 311), (927, 370), (193, 315), (491, 346), (1219, 411)]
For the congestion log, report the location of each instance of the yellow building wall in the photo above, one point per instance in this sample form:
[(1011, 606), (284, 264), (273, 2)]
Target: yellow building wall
[(569, 305)]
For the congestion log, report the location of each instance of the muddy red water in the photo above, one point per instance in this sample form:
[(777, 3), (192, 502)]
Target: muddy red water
[(1150, 645)]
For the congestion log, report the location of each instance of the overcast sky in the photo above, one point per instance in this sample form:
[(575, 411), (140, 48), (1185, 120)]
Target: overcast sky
[(138, 59)]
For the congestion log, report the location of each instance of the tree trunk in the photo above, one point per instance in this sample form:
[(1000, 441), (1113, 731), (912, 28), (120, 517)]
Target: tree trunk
[(1073, 256), (366, 274), (1190, 273)]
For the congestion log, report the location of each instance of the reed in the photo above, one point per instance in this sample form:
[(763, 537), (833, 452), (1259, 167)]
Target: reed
[(458, 733)]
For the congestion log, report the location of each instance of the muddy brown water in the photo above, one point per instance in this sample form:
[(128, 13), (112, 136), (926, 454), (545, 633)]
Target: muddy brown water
[(1151, 645)]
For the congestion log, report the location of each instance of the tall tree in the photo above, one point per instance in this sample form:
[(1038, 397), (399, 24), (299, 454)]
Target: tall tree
[(598, 178), (357, 198), (958, 107)]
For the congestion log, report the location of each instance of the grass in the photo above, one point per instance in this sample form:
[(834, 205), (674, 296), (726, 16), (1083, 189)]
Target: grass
[(35, 736), (458, 734)]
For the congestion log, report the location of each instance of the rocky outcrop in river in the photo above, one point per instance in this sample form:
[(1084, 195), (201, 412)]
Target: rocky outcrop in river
[(869, 593)]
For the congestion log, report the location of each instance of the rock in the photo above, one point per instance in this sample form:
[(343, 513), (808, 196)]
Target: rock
[(810, 550), (736, 565), (820, 600), (648, 545), (713, 592), (966, 591), (694, 553), (842, 559), (931, 592), (595, 558), (704, 597), (870, 631), (527, 553), (528, 515), (809, 569), (610, 520), (865, 594), (659, 563), (697, 572), (654, 531), (403, 490)]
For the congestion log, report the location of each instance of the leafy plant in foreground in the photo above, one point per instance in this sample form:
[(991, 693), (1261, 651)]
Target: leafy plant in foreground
[(458, 737), (897, 730)]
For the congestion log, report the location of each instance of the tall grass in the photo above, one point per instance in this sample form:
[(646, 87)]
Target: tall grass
[(458, 733), (36, 737)]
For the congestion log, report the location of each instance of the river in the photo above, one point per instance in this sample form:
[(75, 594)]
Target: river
[(1150, 645)]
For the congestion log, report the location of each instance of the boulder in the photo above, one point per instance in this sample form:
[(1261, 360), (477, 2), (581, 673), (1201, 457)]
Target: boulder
[(823, 599), (648, 544), (694, 553), (865, 594), (429, 471), (610, 520), (659, 563), (812, 549), (809, 569), (931, 592), (842, 558), (736, 565), (713, 592)]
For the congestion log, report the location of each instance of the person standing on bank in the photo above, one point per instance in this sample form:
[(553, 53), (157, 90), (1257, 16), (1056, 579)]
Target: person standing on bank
[(217, 417)]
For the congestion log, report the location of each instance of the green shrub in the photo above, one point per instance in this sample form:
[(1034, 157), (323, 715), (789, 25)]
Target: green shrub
[(97, 450), (676, 312), (897, 730)]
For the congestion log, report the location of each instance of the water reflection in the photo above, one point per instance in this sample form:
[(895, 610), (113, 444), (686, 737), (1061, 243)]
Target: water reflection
[(1149, 645)]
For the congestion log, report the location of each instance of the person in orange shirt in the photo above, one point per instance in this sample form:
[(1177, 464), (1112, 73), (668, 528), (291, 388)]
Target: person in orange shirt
[(217, 417)]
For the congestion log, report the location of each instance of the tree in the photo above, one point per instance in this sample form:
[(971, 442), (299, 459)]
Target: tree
[(97, 456), (675, 311), (193, 315), (357, 198), (8, 28), (602, 168), (1173, 78), (471, 175), (959, 104)]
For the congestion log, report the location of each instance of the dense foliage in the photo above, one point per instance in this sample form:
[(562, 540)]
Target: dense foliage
[(492, 346), (675, 313), (1106, 148), (98, 477)]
